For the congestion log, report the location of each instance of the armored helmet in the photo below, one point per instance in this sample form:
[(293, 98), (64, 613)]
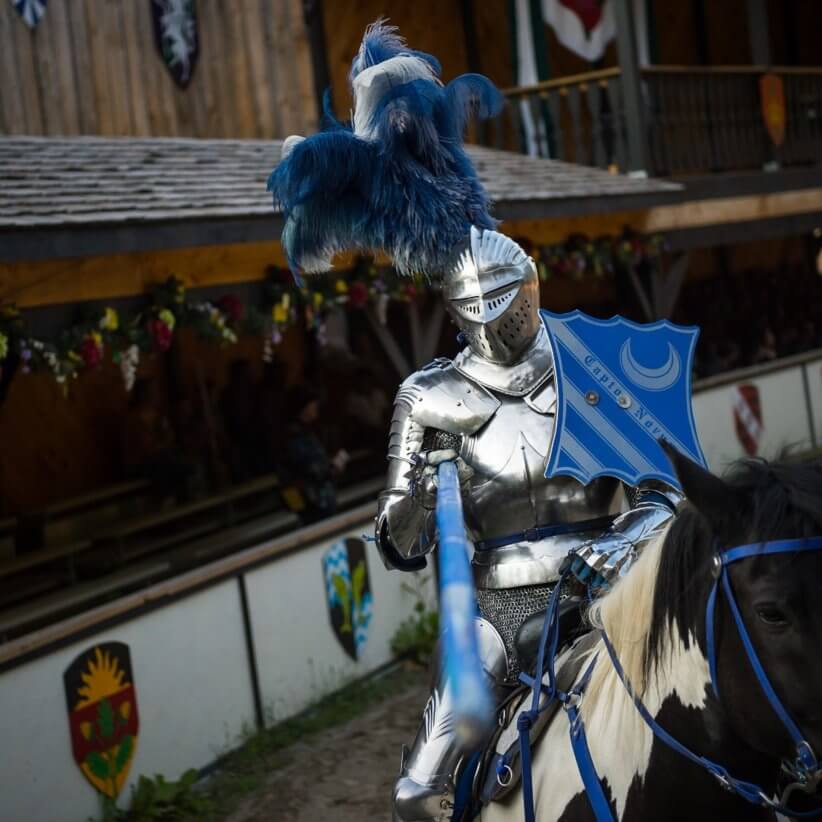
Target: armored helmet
[(492, 294)]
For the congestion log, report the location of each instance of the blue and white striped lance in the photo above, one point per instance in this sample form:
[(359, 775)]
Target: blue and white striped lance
[(474, 707)]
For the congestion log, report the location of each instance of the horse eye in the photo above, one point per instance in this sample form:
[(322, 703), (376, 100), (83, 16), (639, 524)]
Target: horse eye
[(772, 616)]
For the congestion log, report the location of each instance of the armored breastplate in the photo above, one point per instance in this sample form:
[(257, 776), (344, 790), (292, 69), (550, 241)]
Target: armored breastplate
[(509, 493)]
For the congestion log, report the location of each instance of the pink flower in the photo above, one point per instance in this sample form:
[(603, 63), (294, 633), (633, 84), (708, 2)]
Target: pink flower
[(91, 352), (358, 294), (232, 307), (160, 333)]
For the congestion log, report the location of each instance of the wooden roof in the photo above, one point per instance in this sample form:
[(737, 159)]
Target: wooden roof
[(87, 195)]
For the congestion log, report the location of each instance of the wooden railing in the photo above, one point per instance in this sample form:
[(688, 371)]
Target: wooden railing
[(695, 119)]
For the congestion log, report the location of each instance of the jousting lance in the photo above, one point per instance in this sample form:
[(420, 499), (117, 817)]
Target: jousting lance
[(474, 708)]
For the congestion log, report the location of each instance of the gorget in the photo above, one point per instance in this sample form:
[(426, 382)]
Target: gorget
[(517, 379)]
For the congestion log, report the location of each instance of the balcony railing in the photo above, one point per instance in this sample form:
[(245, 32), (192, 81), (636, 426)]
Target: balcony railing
[(695, 119)]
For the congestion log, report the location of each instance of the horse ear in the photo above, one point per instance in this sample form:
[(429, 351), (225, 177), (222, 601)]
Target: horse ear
[(714, 498)]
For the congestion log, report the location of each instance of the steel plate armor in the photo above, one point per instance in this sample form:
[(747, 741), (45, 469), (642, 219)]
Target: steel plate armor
[(492, 409)]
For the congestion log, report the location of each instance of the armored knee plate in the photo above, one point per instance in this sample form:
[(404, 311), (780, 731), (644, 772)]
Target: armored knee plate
[(431, 768)]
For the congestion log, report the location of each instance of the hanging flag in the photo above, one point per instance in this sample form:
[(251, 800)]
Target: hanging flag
[(583, 26), (31, 11), (175, 33), (772, 95), (747, 417)]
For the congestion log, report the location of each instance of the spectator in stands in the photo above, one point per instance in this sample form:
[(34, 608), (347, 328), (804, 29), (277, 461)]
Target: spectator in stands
[(237, 406), (149, 446), (307, 459), (766, 349)]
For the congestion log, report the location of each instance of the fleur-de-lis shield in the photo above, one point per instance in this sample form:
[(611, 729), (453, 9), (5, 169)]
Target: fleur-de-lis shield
[(348, 593)]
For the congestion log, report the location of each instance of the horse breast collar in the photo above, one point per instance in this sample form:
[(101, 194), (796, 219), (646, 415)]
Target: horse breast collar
[(806, 770)]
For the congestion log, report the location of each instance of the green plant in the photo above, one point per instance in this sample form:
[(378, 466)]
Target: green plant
[(158, 800), (417, 635)]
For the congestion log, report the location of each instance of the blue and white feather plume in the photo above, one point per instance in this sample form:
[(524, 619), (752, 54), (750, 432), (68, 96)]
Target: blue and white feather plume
[(397, 178)]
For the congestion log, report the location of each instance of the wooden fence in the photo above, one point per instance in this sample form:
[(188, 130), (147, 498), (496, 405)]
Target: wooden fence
[(92, 67)]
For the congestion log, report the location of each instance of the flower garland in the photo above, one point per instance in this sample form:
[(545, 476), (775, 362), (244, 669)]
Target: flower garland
[(283, 304)]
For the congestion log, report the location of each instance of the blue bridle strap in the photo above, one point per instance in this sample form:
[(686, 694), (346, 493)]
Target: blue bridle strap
[(806, 759)]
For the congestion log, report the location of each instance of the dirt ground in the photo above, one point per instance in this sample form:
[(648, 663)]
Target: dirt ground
[(344, 774)]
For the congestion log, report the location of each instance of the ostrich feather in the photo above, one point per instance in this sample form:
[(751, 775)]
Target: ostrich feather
[(397, 179)]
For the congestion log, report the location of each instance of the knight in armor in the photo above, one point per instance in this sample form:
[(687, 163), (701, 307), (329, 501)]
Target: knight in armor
[(491, 408), (398, 179)]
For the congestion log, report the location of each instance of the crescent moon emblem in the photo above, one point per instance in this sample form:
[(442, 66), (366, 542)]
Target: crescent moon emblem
[(651, 379)]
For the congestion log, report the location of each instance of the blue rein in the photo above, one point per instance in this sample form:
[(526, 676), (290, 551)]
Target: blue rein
[(807, 768)]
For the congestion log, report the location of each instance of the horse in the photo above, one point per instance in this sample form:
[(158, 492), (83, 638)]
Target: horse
[(655, 621)]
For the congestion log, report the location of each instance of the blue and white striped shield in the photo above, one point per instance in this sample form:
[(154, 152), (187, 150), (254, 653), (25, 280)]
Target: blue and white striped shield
[(621, 388)]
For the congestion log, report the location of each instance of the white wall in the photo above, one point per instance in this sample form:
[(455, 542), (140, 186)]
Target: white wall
[(784, 415), (193, 680), (298, 657)]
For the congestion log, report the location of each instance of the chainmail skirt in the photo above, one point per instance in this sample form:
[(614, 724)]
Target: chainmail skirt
[(507, 608)]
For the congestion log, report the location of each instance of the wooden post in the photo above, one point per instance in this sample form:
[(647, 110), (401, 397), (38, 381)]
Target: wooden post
[(758, 32), (631, 88)]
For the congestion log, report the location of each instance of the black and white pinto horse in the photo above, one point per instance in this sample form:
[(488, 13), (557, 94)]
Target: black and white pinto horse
[(655, 618)]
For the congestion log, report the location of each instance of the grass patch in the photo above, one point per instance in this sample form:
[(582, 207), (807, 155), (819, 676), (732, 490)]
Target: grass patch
[(243, 770)]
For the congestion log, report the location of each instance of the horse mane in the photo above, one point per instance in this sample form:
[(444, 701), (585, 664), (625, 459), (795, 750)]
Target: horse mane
[(660, 599)]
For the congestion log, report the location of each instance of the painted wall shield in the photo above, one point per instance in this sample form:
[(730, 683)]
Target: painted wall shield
[(31, 11), (348, 593), (747, 417), (176, 36), (774, 113), (621, 388), (103, 718)]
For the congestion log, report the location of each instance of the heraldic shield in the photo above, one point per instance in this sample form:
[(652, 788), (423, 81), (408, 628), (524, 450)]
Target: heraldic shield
[(103, 720), (621, 388), (348, 592)]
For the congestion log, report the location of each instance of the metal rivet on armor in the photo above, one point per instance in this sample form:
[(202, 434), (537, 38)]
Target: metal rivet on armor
[(592, 398), (624, 401)]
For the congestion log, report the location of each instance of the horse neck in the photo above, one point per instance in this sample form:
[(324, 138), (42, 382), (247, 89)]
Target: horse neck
[(675, 688)]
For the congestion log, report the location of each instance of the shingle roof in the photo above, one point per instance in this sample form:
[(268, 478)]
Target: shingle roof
[(49, 181), (58, 195)]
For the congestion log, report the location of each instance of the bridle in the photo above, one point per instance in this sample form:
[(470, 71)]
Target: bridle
[(806, 770)]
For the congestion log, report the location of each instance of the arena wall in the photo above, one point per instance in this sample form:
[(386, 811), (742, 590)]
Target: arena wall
[(249, 638)]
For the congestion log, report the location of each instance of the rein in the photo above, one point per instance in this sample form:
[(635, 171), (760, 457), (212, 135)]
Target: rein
[(806, 770)]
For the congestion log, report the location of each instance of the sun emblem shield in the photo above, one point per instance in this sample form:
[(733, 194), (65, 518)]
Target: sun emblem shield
[(621, 388), (348, 593), (103, 720)]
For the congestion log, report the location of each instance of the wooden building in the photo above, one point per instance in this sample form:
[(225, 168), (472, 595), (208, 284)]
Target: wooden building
[(115, 178)]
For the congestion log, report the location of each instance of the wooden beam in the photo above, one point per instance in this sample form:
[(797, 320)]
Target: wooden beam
[(74, 279), (672, 218)]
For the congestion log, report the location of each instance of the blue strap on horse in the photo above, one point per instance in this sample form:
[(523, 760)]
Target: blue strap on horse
[(806, 761), (548, 643), (807, 764)]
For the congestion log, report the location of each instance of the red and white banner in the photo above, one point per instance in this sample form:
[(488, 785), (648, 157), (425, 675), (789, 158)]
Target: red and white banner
[(583, 26), (748, 417)]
